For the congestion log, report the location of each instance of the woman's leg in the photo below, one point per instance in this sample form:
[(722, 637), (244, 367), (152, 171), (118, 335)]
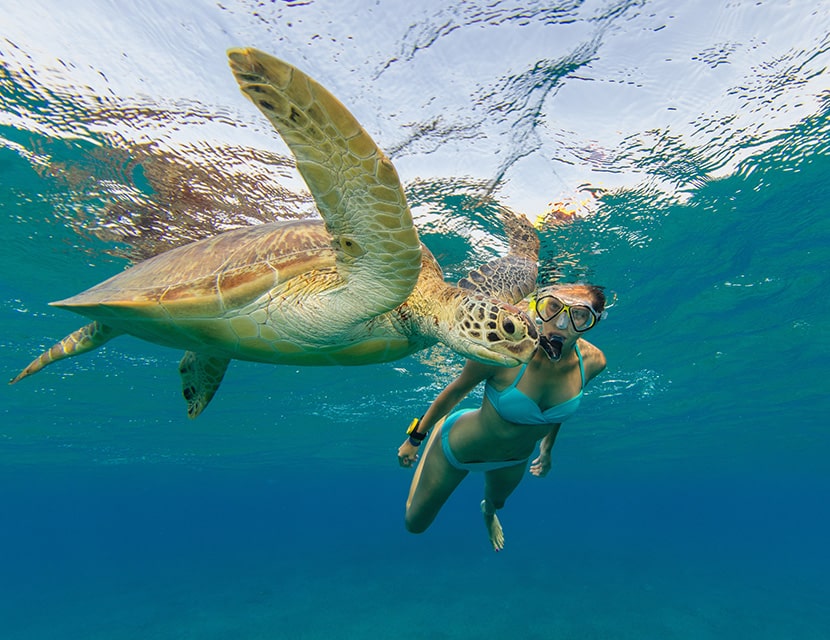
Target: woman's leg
[(498, 485), (434, 481)]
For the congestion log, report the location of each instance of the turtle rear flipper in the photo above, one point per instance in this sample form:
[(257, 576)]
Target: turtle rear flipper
[(201, 377), (85, 339)]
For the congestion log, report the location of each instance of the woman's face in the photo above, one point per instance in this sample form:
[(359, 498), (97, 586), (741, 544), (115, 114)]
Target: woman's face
[(566, 309), (563, 314)]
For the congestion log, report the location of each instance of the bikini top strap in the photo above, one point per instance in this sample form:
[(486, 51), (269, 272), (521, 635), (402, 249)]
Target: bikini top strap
[(518, 377), (581, 366)]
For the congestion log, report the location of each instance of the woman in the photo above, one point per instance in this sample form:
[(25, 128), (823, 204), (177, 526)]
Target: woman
[(521, 406)]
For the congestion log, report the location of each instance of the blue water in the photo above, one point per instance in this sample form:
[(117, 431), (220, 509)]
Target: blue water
[(688, 497)]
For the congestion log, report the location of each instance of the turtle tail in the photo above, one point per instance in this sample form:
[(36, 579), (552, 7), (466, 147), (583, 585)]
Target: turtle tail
[(85, 339)]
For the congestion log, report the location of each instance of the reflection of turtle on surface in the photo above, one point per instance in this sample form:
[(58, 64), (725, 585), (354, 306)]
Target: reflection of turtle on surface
[(357, 288)]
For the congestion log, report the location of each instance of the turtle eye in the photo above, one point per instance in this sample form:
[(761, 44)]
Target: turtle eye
[(509, 326)]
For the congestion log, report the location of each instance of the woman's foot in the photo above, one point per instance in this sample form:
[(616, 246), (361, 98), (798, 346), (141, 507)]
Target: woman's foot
[(491, 521)]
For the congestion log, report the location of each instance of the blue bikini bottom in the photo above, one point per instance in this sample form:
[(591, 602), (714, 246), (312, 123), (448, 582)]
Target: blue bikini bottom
[(470, 466)]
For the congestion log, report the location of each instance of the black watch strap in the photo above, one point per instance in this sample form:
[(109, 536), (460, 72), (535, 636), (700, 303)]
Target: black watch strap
[(413, 432)]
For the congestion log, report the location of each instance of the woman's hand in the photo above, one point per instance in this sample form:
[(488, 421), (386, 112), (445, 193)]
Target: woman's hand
[(541, 465), (407, 454)]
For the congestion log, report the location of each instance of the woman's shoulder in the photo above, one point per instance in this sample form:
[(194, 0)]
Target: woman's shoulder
[(592, 357)]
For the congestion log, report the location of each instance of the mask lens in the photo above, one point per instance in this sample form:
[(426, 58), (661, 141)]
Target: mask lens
[(548, 307), (582, 317)]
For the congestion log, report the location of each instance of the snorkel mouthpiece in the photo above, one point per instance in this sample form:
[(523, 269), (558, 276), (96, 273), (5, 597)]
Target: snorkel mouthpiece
[(552, 346)]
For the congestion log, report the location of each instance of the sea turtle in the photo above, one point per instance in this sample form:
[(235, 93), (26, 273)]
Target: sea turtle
[(357, 287)]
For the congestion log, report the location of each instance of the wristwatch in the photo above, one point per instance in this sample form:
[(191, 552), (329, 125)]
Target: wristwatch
[(415, 437)]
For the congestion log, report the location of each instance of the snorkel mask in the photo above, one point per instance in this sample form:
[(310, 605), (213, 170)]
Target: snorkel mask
[(549, 307)]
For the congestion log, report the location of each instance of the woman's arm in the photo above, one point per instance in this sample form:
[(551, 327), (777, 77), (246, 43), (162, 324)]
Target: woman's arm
[(471, 375), (593, 358), (594, 361), (541, 465)]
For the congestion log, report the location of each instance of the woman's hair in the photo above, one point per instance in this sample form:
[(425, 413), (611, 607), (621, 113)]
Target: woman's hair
[(592, 292)]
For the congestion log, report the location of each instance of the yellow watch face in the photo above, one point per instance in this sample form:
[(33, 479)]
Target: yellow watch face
[(413, 425)]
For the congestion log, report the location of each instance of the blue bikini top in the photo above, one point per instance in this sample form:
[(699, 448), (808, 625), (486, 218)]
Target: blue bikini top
[(514, 406)]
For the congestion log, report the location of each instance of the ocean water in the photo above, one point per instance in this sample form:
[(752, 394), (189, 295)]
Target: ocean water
[(688, 498)]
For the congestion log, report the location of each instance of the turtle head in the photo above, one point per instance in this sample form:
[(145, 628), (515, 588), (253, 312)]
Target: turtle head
[(491, 331)]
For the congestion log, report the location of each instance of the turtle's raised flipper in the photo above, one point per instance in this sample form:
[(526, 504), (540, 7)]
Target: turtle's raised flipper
[(355, 186), (201, 377), (512, 277), (85, 339), (509, 278)]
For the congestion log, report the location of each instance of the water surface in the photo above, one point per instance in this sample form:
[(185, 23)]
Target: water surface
[(687, 145)]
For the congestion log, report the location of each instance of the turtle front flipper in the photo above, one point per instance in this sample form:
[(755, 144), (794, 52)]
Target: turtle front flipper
[(355, 187), (85, 339), (201, 377), (512, 277)]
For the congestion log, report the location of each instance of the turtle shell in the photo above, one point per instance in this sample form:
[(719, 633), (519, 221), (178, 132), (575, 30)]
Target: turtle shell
[(210, 277)]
